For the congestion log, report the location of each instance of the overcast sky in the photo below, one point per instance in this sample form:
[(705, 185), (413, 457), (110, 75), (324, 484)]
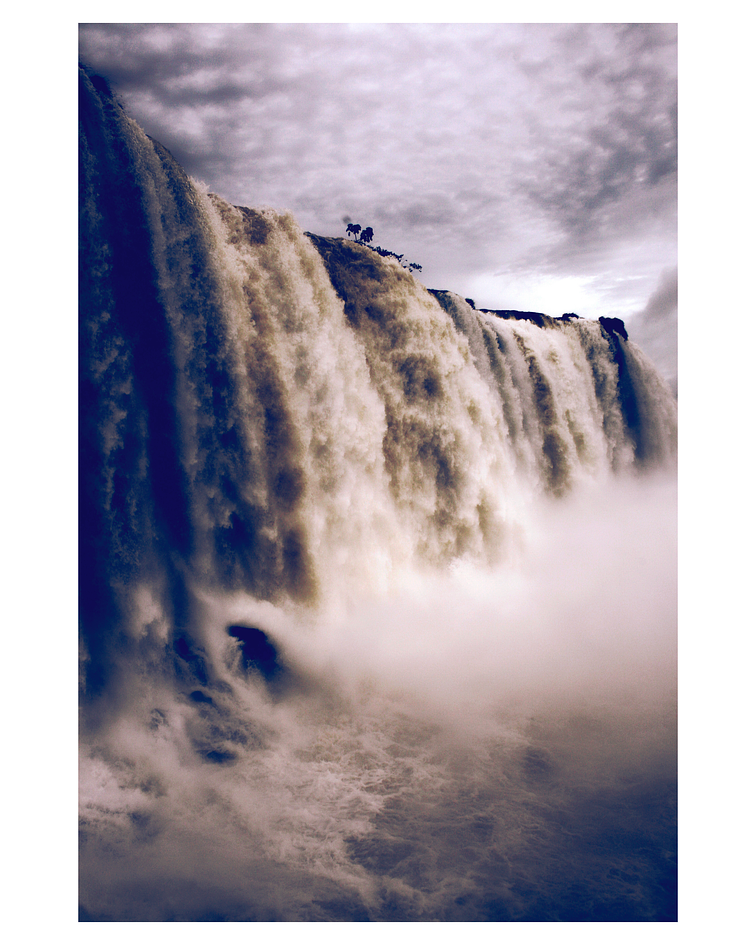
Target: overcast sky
[(527, 166)]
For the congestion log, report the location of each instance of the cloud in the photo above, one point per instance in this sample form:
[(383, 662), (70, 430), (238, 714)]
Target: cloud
[(604, 174), (474, 148)]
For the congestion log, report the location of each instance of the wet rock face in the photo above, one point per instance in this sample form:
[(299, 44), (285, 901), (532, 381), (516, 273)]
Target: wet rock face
[(259, 653)]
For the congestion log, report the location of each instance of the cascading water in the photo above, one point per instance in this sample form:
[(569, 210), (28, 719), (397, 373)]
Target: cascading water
[(377, 590)]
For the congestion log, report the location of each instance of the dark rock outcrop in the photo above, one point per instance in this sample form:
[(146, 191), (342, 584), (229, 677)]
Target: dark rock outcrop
[(259, 654), (614, 326)]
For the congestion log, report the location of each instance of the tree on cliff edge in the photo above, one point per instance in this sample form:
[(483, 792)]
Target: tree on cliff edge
[(366, 236)]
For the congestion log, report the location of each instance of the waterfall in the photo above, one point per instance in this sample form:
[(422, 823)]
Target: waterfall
[(311, 494)]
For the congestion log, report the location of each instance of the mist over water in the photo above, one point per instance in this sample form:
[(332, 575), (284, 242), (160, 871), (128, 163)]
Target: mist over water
[(378, 596)]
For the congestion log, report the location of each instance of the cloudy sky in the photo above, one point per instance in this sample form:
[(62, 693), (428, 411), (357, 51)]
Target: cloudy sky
[(527, 166)]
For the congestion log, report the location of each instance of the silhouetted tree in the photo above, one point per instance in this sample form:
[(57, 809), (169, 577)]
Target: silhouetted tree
[(366, 236)]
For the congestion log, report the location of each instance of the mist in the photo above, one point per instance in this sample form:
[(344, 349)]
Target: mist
[(531, 690), (655, 326)]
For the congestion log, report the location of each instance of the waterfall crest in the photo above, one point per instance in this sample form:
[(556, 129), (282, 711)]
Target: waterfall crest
[(275, 411)]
